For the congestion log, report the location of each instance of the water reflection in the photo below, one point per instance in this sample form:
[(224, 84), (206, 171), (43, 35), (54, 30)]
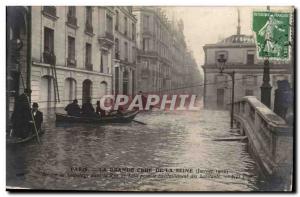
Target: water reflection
[(169, 140)]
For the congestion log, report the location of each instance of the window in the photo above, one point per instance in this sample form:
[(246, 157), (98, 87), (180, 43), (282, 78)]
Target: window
[(71, 17), (145, 44), (133, 31), (117, 20), (88, 55), (109, 24), (71, 47), (48, 55), (126, 51), (125, 26), (72, 11), (101, 63), (104, 62), (146, 22), (249, 93), (48, 40), (250, 57), (133, 54), (89, 15), (117, 54), (89, 22)]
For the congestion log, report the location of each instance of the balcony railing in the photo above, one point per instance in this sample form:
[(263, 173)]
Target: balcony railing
[(49, 57), (72, 20), (71, 62), (89, 66), (88, 28), (109, 36), (107, 39), (50, 11)]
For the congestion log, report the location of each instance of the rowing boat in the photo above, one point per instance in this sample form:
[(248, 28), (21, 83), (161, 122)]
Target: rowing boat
[(14, 140), (118, 118)]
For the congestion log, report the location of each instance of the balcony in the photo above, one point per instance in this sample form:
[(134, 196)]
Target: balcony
[(89, 66), (49, 57), (107, 40), (89, 29), (148, 53), (50, 12), (72, 21), (71, 62)]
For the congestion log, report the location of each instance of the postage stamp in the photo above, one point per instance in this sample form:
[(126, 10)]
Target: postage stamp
[(272, 31)]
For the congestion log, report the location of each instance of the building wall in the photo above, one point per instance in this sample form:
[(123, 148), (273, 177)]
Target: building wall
[(248, 78), (164, 55), (61, 33), (123, 63)]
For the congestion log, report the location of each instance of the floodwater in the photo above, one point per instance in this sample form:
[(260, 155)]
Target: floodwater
[(174, 151)]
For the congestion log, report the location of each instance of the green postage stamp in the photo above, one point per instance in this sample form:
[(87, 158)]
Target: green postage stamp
[(272, 31)]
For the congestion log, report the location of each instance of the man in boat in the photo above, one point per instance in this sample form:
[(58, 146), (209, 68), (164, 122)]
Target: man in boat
[(87, 109), (21, 115), (73, 108), (37, 116), (99, 111)]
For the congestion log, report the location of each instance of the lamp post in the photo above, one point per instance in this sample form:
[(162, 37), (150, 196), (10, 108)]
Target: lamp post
[(222, 60), (266, 87)]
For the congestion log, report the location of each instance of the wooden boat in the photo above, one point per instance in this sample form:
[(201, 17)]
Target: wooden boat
[(14, 140), (118, 118)]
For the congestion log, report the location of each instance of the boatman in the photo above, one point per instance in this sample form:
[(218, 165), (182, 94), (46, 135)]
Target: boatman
[(21, 115), (37, 116), (73, 108), (87, 109)]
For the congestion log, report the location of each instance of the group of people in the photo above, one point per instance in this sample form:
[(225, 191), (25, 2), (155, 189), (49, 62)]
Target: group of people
[(87, 109), (25, 119)]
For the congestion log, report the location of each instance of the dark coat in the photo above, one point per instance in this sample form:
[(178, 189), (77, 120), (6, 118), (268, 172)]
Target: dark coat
[(21, 116), (100, 111), (73, 109), (88, 110)]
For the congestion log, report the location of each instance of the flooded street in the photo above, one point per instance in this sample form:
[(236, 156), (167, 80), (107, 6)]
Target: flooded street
[(69, 154)]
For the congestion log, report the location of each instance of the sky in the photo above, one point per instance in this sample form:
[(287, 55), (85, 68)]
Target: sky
[(208, 25)]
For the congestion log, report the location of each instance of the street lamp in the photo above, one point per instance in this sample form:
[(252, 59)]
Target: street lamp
[(221, 63)]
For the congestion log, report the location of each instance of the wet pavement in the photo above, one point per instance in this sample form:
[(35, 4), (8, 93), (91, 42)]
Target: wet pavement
[(175, 151)]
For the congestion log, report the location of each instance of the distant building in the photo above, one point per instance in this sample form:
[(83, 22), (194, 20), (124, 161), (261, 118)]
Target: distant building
[(79, 42), (240, 52), (124, 73)]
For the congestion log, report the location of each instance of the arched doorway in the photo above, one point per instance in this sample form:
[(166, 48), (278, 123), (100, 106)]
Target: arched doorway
[(86, 90), (103, 88), (47, 94), (70, 90)]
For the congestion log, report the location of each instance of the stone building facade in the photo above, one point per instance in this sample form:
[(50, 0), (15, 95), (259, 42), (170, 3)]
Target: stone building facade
[(154, 55), (165, 65), (124, 58), (240, 52), (79, 42)]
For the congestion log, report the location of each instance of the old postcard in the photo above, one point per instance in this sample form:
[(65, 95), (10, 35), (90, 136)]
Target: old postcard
[(148, 98)]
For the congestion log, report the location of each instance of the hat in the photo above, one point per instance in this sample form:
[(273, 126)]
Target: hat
[(35, 105)]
